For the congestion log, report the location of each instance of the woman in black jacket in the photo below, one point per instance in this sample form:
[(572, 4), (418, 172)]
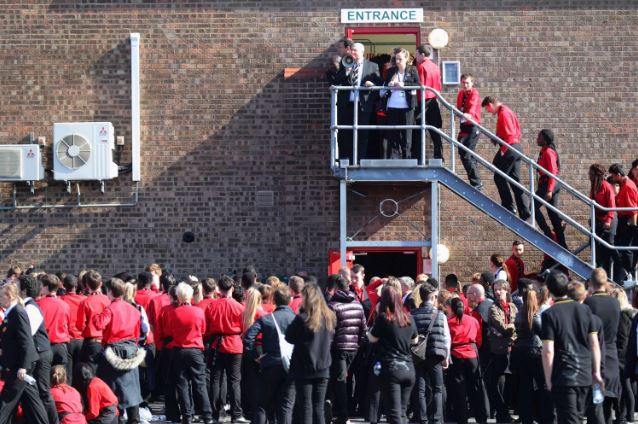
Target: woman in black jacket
[(401, 102), (311, 332), (625, 409), (526, 359), (394, 332)]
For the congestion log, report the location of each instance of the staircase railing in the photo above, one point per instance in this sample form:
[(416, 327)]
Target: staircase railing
[(532, 165)]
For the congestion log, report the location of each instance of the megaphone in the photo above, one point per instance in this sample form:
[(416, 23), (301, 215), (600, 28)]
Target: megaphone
[(348, 61)]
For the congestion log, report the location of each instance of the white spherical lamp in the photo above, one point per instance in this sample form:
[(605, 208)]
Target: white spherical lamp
[(438, 38), (442, 254)]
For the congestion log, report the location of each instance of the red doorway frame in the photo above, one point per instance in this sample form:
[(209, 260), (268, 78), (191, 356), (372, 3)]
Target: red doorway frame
[(385, 30)]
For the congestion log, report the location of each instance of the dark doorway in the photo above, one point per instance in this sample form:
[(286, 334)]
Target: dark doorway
[(384, 263)]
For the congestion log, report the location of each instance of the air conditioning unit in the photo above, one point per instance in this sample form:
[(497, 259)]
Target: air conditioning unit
[(20, 162), (83, 151)]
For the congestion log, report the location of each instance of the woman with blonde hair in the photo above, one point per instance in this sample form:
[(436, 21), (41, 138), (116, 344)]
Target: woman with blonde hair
[(311, 333), (250, 367), (627, 314)]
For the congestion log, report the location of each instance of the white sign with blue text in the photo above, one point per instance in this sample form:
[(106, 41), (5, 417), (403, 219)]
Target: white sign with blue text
[(368, 16)]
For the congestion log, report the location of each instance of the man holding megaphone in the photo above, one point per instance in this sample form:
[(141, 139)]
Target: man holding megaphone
[(355, 70)]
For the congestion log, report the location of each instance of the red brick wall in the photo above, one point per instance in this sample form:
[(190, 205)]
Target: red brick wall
[(220, 122)]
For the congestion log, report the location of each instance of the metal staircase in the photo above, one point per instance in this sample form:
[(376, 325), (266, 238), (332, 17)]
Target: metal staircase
[(434, 172)]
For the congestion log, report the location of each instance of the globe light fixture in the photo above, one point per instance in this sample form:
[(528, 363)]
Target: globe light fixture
[(438, 38), (442, 253)]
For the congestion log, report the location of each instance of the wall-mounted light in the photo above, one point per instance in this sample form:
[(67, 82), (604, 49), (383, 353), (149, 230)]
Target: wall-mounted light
[(438, 38), (442, 253)]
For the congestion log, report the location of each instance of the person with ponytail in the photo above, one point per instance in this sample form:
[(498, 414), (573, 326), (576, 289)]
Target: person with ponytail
[(602, 192), (466, 381), (393, 333), (526, 358), (311, 333), (547, 187), (68, 401), (100, 403)]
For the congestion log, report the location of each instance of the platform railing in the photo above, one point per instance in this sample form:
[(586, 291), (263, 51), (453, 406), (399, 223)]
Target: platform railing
[(533, 167)]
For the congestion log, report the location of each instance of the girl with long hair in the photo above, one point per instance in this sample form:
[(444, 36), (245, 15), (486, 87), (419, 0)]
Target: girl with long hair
[(501, 334), (394, 332), (526, 358), (250, 367), (466, 381), (627, 313), (311, 333), (603, 193), (499, 268), (100, 403)]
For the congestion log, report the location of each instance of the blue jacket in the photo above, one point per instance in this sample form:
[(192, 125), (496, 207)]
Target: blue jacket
[(270, 342)]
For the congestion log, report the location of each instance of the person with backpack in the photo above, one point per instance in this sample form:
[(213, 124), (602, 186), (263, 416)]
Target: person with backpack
[(276, 385), (432, 326), (547, 187)]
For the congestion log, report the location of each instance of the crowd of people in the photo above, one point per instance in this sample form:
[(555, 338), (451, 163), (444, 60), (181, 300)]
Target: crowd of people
[(235, 349), (396, 105)]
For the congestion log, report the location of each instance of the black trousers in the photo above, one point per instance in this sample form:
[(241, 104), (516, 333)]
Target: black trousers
[(341, 361), (230, 363), (606, 256), (432, 117), (535, 402), (570, 403), (510, 164), (91, 350), (42, 375), (400, 140), (626, 235), (74, 350), (554, 218), (190, 370), (17, 391), (311, 395), (429, 376), (466, 384), (497, 370), (169, 380), (627, 403), (397, 380), (346, 136), (276, 391), (107, 415), (469, 140), (249, 384), (60, 354)]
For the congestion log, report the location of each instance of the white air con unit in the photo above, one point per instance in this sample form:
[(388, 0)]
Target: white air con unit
[(83, 151), (21, 162)]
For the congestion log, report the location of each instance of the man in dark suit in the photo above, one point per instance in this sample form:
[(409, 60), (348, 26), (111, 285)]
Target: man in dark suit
[(18, 360), (363, 74)]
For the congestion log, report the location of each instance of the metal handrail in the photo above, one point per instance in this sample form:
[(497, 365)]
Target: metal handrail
[(532, 164)]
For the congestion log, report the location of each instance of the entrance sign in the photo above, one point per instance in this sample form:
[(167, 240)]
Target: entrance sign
[(379, 16)]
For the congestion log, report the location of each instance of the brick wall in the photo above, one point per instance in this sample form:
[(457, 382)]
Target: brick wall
[(220, 122)]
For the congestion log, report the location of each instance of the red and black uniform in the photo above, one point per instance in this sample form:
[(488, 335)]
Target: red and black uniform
[(166, 378), (186, 326), (68, 403), (120, 323), (101, 402), (153, 311), (224, 322), (509, 130), (469, 101), (605, 226), (627, 233), (430, 76), (93, 305), (57, 321), (516, 268), (465, 377), (75, 344), (548, 159)]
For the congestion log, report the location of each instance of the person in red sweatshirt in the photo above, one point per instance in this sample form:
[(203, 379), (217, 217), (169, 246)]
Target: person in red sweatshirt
[(548, 189), (209, 286), (508, 162), (603, 193), (296, 286), (100, 401), (73, 299), (224, 325), (515, 265), (93, 305), (430, 76), (627, 232), (68, 402), (166, 377), (120, 325), (186, 327), (468, 101), (144, 293), (57, 318)]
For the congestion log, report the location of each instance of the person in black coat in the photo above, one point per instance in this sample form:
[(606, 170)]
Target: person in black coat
[(311, 332), (18, 361), (625, 410), (401, 102)]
